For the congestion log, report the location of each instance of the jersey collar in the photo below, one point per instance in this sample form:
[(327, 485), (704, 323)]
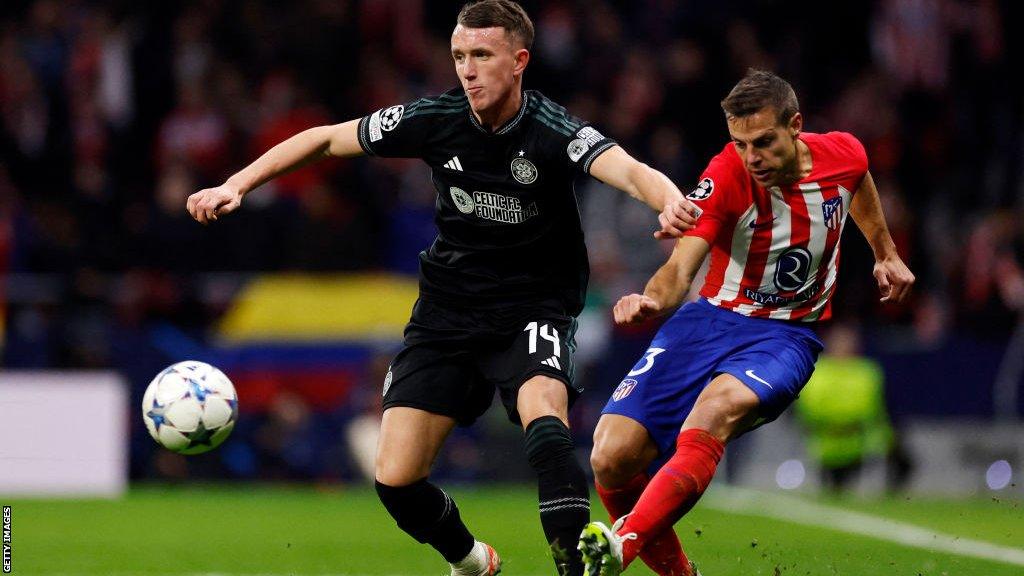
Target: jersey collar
[(507, 126)]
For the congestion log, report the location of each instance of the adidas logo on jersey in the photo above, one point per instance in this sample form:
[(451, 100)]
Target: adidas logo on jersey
[(454, 164), (553, 362)]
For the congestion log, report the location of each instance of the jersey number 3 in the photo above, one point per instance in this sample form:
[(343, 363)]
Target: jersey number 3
[(648, 361)]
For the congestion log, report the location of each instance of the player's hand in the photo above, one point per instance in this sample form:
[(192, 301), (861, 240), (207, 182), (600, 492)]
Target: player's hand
[(635, 308), (894, 279), (208, 204), (676, 218)]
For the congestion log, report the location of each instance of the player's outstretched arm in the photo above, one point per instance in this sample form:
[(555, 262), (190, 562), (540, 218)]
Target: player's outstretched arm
[(669, 285), (894, 278), (617, 168), (305, 147)]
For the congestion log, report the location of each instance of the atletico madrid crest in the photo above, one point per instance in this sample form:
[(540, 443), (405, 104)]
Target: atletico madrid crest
[(832, 210), (624, 388)]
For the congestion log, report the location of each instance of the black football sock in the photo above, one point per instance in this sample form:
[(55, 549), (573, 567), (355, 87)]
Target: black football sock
[(429, 515), (562, 490)]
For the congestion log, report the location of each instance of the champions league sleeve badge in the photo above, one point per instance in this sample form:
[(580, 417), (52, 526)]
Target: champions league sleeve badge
[(390, 118), (383, 121), (703, 190)]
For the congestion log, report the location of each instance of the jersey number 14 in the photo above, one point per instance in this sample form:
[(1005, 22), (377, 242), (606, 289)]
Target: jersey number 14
[(546, 332)]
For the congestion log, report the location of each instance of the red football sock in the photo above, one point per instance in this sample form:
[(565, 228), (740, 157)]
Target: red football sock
[(673, 491), (619, 501), (663, 553)]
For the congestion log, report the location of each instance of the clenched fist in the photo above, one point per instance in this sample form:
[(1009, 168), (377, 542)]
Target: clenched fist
[(635, 308), (207, 205), (894, 279), (676, 218)]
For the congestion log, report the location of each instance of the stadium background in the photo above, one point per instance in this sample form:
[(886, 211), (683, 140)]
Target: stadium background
[(111, 113)]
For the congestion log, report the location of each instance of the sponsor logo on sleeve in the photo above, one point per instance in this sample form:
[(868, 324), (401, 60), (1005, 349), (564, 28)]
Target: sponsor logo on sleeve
[(375, 133), (387, 381), (589, 135), (581, 144), (703, 190), (577, 148)]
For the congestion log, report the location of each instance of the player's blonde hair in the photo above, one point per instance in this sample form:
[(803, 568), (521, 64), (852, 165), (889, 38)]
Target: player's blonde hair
[(499, 13), (760, 89)]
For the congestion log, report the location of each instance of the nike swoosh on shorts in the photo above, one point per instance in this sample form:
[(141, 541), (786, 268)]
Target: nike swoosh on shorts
[(758, 378)]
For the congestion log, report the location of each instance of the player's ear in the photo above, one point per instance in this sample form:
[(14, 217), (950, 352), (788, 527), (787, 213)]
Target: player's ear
[(796, 124), (522, 57)]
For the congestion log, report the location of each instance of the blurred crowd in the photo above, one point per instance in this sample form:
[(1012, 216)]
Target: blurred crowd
[(112, 112)]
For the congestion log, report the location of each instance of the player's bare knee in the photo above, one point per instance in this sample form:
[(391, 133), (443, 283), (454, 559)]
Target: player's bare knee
[(542, 396), (396, 477), (615, 463), (385, 474), (393, 472), (603, 466)]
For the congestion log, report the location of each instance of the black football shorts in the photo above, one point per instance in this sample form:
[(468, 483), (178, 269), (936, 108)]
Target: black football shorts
[(454, 358)]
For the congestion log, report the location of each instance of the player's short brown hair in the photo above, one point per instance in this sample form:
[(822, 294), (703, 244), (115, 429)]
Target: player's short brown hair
[(499, 13), (760, 89)]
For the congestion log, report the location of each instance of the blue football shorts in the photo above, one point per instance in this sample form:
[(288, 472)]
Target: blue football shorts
[(700, 341)]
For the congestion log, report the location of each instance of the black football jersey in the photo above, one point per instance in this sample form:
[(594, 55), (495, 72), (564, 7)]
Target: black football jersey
[(509, 229)]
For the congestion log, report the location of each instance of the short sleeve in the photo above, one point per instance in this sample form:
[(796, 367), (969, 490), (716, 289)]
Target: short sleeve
[(573, 141), (858, 155), (717, 183), (584, 145), (394, 132)]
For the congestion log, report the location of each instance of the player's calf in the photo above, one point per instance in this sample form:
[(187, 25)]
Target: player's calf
[(663, 553), (429, 515), (562, 490), (674, 489)]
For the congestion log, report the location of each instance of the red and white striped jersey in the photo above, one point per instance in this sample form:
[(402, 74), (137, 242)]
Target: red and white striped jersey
[(775, 251)]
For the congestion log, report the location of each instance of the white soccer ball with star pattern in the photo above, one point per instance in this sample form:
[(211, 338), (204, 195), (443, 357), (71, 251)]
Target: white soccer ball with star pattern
[(190, 407)]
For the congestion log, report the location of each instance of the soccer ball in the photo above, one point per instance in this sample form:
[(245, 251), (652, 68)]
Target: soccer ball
[(190, 407)]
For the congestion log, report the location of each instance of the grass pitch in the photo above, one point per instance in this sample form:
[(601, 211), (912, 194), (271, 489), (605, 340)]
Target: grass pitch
[(246, 530)]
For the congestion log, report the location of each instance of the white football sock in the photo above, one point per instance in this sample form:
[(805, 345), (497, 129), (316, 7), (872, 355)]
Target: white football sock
[(474, 563)]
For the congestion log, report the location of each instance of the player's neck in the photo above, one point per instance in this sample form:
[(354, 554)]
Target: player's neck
[(803, 164), (496, 116), (805, 161)]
